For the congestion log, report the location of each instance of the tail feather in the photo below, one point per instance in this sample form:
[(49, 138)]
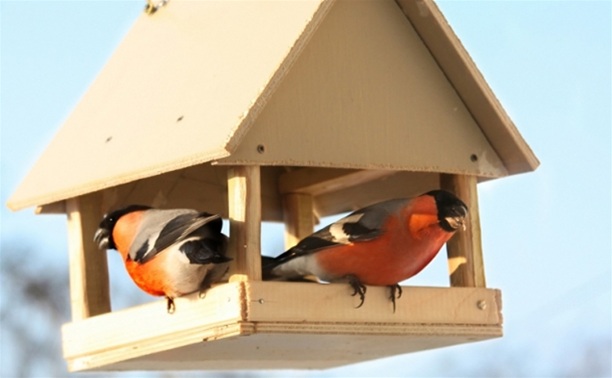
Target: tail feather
[(267, 265)]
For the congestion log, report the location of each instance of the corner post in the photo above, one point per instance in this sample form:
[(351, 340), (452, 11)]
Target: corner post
[(244, 208), (89, 283), (465, 261), (298, 216)]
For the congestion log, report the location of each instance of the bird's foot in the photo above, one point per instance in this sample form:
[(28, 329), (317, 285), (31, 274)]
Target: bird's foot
[(202, 292), (396, 293), (358, 288), (170, 307), (203, 289)]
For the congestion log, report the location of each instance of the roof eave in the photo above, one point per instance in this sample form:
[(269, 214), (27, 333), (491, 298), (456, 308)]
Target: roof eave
[(468, 81)]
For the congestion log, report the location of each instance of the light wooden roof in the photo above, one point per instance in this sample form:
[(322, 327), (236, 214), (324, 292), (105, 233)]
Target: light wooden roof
[(321, 83)]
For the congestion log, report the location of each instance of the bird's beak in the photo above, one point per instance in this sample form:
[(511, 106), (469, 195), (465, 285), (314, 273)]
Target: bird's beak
[(458, 219), (456, 222), (101, 238)]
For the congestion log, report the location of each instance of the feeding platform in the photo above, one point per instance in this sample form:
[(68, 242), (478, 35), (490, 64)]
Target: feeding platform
[(271, 325), (283, 111)]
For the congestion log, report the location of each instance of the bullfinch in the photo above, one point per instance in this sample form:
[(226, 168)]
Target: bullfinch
[(382, 244), (167, 252)]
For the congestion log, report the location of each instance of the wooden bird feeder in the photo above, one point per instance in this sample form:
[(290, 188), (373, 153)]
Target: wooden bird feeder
[(276, 111)]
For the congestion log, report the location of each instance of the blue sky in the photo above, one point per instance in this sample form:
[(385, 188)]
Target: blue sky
[(546, 235)]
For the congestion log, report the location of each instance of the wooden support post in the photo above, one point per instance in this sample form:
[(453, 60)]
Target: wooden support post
[(466, 266), (244, 206), (89, 284), (298, 216)]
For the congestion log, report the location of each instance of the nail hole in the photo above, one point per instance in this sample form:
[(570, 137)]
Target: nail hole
[(261, 148), (474, 158), (108, 139), (179, 119)]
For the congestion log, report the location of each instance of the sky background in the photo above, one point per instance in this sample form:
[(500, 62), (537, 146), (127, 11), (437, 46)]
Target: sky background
[(546, 234)]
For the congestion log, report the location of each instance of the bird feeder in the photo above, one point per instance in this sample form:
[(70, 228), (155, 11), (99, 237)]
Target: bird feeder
[(276, 111)]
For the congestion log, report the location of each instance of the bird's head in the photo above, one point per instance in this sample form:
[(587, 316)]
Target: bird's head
[(451, 210), (104, 235)]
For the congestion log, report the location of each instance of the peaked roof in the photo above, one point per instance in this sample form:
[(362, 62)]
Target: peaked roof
[(188, 82)]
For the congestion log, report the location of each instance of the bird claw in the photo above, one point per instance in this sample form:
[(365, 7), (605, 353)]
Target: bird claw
[(170, 307), (203, 289), (358, 288), (395, 289)]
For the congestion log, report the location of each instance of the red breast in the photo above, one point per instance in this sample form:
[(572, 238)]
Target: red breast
[(149, 276)]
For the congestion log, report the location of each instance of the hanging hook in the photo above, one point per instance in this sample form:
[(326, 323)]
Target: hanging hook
[(151, 7)]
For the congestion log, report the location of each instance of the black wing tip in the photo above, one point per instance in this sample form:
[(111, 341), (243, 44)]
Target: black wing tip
[(205, 251), (267, 265), (214, 222), (204, 214)]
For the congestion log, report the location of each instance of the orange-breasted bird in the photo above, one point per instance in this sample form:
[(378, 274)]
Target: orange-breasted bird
[(167, 252), (382, 244)]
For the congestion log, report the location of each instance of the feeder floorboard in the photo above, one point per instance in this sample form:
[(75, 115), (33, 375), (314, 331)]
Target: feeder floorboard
[(276, 325)]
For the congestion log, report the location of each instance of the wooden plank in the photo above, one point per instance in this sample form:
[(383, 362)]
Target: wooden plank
[(430, 330), (298, 216), (206, 186), (244, 206), (317, 181), (51, 208), (203, 187), (286, 323), (400, 184), (149, 328), (156, 191), (272, 348), (89, 284), (333, 303), (466, 265)]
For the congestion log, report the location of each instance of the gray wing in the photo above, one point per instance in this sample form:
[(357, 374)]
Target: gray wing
[(361, 225), (162, 228)]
